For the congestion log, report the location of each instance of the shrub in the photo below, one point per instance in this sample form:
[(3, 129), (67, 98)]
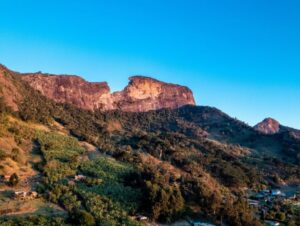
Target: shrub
[(3, 155), (82, 217), (13, 180), (280, 216), (18, 156)]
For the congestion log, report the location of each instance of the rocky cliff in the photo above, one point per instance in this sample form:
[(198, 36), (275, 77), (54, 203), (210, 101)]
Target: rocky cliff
[(268, 126), (141, 94)]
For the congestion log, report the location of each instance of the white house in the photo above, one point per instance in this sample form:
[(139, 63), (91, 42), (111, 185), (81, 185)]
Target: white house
[(276, 192)]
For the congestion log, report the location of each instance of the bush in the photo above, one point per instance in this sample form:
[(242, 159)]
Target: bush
[(291, 223), (3, 155), (280, 216), (82, 217), (13, 180), (18, 156)]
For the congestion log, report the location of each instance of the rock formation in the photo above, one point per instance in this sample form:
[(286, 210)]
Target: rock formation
[(141, 94), (268, 126)]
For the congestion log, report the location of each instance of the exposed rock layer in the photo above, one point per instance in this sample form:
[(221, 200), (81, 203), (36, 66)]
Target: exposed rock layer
[(268, 126), (141, 94)]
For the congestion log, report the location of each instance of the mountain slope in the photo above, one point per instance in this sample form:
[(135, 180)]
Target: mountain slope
[(288, 137), (166, 164), (9, 92)]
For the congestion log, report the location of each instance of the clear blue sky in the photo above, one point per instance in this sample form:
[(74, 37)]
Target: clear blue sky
[(240, 56)]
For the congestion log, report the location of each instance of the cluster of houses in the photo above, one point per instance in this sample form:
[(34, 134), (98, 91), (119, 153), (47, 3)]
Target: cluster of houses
[(269, 195), (264, 199)]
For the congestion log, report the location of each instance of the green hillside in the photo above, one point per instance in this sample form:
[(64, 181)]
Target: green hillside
[(106, 168)]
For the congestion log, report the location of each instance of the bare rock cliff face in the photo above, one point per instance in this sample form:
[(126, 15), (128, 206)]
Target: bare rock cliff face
[(141, 94), (268, 126), (71, 89)]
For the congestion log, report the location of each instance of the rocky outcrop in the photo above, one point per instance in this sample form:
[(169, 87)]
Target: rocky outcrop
[(144, 94), (71, 89), (141, 94), (268, 126)]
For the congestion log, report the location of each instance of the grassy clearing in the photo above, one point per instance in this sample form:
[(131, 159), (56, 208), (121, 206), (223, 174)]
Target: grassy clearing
[(11, 207)]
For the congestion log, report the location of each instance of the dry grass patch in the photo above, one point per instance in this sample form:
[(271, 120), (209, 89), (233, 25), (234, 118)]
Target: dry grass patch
[(114, 125), (29, 125)]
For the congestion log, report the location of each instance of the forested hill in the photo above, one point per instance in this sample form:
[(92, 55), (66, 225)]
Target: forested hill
[(169, 164)]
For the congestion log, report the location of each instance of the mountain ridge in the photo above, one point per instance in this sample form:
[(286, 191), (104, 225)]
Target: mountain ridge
[(141, 94)]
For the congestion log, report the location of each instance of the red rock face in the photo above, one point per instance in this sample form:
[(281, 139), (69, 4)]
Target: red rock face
[(71, 89), (268, 126), (141, 94)]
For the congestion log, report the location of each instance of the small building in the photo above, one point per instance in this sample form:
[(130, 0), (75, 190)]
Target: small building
[(32, 194), (272, 223), (253, 203), (20, 195), (141, 218), (79, 177), (202, 224), (276, 192), (290, 195), (23, 195)]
